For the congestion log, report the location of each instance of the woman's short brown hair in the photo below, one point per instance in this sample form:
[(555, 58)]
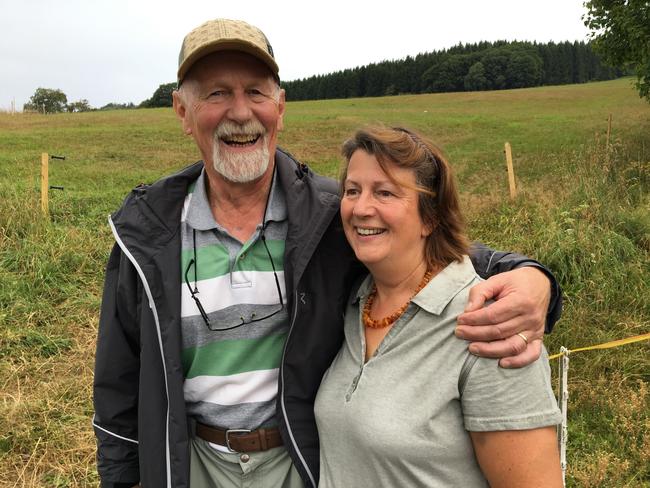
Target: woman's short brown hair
[(438, 201)]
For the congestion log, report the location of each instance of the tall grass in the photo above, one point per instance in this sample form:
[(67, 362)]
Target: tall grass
[(583, 209), (591, 226)]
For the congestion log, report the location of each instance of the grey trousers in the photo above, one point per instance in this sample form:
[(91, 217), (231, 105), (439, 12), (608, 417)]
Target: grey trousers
[(210, 468)]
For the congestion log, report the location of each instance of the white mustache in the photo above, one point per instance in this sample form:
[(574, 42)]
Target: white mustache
[(250, 128)]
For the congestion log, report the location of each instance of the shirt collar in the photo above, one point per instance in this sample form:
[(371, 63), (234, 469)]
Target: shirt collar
[(440, 290), (199, 214), (445, 286)]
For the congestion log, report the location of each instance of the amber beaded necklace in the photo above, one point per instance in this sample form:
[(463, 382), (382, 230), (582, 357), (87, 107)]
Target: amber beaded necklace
[(368, 321)]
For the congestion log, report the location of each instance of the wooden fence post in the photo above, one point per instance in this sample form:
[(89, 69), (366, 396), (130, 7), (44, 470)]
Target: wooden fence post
[(45, 159), (511, 172)]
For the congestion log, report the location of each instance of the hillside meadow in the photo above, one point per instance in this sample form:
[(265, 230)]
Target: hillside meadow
[(583, 209)]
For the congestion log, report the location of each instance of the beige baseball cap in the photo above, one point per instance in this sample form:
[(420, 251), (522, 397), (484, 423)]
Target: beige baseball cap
[(225, 35)]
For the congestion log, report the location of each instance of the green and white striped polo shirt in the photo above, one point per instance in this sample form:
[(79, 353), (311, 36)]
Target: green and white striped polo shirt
[(231, 377)]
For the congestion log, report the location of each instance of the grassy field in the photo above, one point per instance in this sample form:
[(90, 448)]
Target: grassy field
[(583, 209)]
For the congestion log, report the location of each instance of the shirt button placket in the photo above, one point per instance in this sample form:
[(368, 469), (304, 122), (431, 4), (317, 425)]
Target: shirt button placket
[(353, 386)]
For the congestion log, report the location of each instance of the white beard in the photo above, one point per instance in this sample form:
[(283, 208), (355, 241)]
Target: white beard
[(240, 167)]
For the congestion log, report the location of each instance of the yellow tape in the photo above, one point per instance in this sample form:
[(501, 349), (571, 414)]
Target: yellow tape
[(607, 345)]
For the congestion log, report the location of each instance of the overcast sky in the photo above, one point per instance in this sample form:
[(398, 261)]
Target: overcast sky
[(121, 51)]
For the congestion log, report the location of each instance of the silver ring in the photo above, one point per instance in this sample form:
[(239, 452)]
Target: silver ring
[(520, 334)]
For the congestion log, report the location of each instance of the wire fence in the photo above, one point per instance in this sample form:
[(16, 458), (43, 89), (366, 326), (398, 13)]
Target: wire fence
[(563, 388)]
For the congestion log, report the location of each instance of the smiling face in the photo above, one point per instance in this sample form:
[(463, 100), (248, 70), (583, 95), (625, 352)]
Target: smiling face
[(232, 107), (381, 219)]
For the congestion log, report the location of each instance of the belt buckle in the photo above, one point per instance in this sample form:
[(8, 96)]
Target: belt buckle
[(234, 431)]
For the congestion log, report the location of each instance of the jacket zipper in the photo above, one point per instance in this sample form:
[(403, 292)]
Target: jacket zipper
[(284, 410), (152, 306)]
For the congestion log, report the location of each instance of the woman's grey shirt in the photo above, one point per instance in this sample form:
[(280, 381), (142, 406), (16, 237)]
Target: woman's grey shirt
[(402, 418)]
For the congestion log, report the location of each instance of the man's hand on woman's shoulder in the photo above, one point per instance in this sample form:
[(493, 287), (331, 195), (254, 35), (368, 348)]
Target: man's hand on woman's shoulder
[(512, 327)]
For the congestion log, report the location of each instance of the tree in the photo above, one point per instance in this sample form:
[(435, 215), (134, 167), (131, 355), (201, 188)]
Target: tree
[(162, 97), (523, 70), (47, 100), (621, 34), (118, 106), (495, 63), (475, 79), (451, 73), (79, 106)]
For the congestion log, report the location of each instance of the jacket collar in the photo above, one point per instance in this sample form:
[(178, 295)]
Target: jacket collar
[(150, 218), (312, 206)]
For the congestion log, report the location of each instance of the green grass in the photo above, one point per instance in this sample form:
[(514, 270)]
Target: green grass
[(583, 209)]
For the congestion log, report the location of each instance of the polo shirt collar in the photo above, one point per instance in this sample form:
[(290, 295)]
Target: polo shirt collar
[(440, 290), (199, 214), (445, 286)]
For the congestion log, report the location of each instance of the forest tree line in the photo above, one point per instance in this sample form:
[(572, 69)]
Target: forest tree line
[(465, 67)]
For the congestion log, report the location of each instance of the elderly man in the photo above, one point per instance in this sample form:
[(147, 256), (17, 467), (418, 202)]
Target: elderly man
[(224, 293)]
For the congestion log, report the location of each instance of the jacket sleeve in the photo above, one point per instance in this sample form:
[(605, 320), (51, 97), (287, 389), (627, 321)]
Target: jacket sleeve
[(488, 262), (117, 366)]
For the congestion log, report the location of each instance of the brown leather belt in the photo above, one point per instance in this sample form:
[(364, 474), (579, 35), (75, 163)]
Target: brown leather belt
[(240, 440)]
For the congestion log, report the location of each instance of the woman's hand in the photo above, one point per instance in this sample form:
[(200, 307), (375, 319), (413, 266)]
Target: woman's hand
[(521, 302)]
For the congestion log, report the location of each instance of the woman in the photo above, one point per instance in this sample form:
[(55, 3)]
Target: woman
[(404, 403)]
